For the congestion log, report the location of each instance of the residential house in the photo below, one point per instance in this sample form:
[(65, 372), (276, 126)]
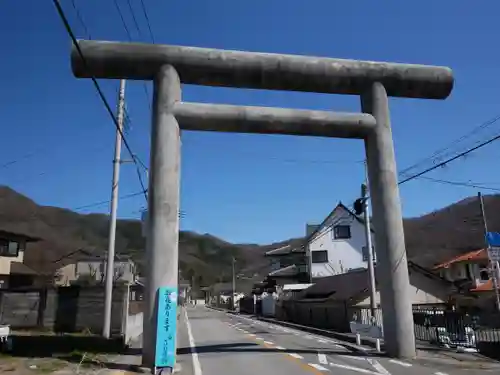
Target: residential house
[(333, 302), (338, 244), (13, 272), (89, 266), (289, 265), (471, 271), (352, 288)]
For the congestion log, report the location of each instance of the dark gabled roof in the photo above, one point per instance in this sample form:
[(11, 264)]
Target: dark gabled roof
[(17, 268), (343, 287), (322, 225), (355, 284), (10, 234), (83, 255)]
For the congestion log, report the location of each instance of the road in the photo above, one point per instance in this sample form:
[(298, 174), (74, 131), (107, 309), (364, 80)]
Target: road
[(233, 344)]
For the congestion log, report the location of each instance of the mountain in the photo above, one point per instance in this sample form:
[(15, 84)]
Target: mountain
[(430, 238)]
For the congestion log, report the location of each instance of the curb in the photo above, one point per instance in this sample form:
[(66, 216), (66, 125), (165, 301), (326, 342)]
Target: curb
[(367, 344)]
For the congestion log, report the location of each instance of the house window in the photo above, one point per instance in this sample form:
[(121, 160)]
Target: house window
[(365, 254), (9, 248), (320, 256), (484, 272), (341, 232)]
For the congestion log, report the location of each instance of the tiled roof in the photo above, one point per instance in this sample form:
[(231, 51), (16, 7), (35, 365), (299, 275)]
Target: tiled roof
[(486, 287), (18, 268), (287, 249), (354, 284), (4, 231), (288, 271), (481, 254)]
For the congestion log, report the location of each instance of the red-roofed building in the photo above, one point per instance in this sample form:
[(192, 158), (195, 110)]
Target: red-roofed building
[(471, 269)]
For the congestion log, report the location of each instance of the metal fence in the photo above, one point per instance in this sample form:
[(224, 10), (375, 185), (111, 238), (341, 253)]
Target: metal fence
[(434, 325), (457, 328)]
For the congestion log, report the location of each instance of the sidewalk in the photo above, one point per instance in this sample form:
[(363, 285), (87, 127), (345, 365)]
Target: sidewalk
[(130, 363)]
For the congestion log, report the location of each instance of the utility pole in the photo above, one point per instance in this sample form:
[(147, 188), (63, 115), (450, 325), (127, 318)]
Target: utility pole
[(369, 251), (110, 264), (493, 264), (234, 286)]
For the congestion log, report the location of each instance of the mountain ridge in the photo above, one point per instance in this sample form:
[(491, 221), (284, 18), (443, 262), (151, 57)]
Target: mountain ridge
[(430, 238)]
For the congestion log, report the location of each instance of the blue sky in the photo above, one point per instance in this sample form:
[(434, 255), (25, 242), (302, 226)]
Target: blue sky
[(244, 188)]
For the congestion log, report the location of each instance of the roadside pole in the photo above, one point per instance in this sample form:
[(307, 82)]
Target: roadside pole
[(369, 250), (493, 264), (110, 262), (234, 287)]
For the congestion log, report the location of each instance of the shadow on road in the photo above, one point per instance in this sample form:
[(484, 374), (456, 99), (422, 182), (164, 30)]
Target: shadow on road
[(256, 348)]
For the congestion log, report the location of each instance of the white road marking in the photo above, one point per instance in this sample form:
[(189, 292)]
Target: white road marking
[(322, 359), (404, 364), (358, 369), (338, 346), (318, 367), (259, 338), (268, 342), (440, 373), (252, 335), (308, 337), (353, 357), (322, 341), (244, 331), (294, 355), (280, 348), (196, 360), (376, 364)]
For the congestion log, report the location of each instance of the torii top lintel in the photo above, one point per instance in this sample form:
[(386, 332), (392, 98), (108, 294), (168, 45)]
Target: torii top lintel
[(214, 67)]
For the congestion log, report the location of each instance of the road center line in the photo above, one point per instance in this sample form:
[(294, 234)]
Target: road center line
[(268, 342), (353, 357)]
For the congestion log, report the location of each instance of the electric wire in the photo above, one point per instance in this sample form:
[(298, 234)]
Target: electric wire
[(69, 30)]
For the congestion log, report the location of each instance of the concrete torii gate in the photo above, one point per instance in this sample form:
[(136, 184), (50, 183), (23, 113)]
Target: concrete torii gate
[(169, 66)]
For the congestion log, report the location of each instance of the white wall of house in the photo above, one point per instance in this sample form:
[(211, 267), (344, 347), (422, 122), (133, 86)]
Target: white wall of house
[(11, 251), (343, 254), (476, 272)]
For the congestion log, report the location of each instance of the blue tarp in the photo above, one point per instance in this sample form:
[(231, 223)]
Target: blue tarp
[(493, 239)]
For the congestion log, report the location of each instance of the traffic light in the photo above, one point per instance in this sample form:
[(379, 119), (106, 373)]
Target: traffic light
[(358, 206)]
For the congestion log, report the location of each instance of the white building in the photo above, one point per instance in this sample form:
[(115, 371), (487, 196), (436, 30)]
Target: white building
[(338, 244)]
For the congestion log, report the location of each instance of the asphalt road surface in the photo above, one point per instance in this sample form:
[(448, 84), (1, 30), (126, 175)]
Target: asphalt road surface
[(223, 343)]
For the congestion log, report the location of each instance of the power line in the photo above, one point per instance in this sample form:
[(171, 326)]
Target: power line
[(129, 35), (97, 204), (123, 19), (145, 12), (440, 152), (133, 18), (80, 18), (64, 19), (443, 163), (457, 183)]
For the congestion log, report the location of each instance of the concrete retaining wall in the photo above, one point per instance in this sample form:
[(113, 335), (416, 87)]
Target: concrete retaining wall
[(133, 328)]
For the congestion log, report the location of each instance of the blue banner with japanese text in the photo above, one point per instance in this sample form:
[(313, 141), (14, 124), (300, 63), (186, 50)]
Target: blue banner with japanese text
[(166, 327)]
